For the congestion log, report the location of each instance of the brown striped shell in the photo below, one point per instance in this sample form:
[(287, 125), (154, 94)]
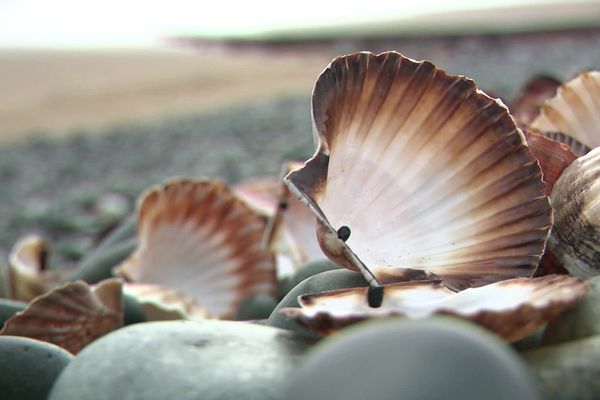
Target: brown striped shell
[(199, 238), (511, 308), (418, 174), (575, 198), (574, 110), (71, 316), (537, 90)]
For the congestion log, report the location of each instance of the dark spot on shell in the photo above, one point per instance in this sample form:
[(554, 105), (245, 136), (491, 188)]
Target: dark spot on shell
[(343, 233), (375, 296)]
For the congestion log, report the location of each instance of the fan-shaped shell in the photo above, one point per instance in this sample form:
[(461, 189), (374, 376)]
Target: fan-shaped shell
[(199, 238), (27, 262), (71, 316), (512, 308), (574, 110), (575, 198), (430, 175), (162, 303), (291, 232)]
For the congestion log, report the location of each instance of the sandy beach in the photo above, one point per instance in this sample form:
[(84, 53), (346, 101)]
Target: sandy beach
[(56, 92)]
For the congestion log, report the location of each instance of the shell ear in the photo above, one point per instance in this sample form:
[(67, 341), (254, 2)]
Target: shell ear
[(199, 238), (428, 172), (574, 110)]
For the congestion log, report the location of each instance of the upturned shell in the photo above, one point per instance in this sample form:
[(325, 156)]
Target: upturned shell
[(71, 316), (575, 198), (512, 308), (199, 238), (27, 262), (291, 232), (574, 110), (418, 174), (162, 303)]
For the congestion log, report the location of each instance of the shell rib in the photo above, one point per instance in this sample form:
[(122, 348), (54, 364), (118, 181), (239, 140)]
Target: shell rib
[(71, 316), (575, 238), (430, 175), (575, 110), (511, 308), (199, 238), (291, 232)]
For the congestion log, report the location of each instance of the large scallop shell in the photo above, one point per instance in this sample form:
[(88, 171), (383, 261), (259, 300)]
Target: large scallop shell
[(511, 308), (27, 263), (199, 238), (575, 198), (71, 316), (291, 232), (575, 110), (427, 175)]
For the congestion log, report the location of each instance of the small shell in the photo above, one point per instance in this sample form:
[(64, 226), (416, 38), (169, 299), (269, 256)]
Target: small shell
[(260, 194), (199, 238), (162, 303), (419, 174), (511, 308), (71, 316), (575, 198), (552, 155), (27, 262), (291, 232), (533, 95), (574, 110)]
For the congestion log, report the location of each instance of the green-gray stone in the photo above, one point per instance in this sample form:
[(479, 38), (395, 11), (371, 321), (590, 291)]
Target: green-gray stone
[(328, 280), (531, 341), (436, 358), (568, 370), (184, 360), (29, 367), (8, 308), (582, 321), (99, 264), (258, 306), (307, 270)]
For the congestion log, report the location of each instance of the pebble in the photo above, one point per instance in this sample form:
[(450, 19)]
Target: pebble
[(184, 360), (29, 367), (305, 271), (436, 358)]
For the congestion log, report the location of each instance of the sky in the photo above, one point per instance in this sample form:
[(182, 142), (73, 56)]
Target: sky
[(130, 23)]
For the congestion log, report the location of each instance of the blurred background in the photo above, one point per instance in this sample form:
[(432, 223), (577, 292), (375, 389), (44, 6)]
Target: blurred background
[(101, 99)]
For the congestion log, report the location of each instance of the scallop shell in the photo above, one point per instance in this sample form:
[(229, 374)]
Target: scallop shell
[(575, 110), (260, 194), (27, 262), (291, 231), (575, 236), (533, 95), (162, 303), (199, 238), (71, 316), (418, 174), (511, 308), (552, 155)]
